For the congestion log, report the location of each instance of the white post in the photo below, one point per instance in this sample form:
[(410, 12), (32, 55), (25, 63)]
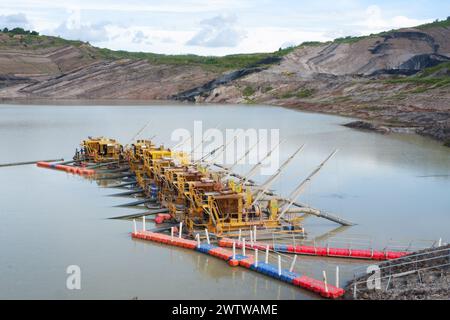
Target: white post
[(234, 250), (293, 264), (134, 226), (207, 236), (267, 254), (256, 258), (180, 232), (143, 223), (197, 237), (279, 265), (243, 246), (240, 234), (337, 276), (171, 233), (325, 280), (254, 233)]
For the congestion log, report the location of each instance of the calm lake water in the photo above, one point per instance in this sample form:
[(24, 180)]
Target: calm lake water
[(395, 187)]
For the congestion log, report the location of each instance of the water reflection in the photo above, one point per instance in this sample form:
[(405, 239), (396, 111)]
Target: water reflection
[(393, 186)]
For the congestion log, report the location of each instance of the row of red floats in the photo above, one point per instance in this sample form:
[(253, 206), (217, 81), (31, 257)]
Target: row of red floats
[(68, 169), (166, 239), (320, 251), (325, 290)]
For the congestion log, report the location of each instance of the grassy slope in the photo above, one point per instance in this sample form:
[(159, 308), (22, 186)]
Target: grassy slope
[(229, 62), (220, 64)]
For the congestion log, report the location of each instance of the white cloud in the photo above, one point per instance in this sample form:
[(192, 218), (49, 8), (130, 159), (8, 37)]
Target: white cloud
[(173, 28), (84, 32), (14, 20), (376, 21), (74, 29), (140, 37), (176, 6), (219, 31)]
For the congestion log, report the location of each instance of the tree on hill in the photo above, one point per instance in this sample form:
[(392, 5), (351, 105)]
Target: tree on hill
[(20, 31)]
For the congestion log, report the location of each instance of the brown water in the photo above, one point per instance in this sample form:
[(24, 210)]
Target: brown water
[(394, 186)]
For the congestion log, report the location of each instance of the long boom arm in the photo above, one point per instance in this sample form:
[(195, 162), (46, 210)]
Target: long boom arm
[(269, 182), (301, 187)]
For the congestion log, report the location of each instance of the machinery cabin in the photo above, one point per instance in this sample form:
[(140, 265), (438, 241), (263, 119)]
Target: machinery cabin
[(100, 150)]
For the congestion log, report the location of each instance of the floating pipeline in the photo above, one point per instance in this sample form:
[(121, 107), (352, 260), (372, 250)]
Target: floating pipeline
[(310, 284), (320, 251), (68, 169)]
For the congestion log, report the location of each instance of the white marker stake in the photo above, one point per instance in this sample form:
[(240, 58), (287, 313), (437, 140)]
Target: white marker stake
[(197, 237), (293, 264), (279, 265), (325, 280), (254, 233), (267, 254), (234, 250), (256, 258), (337, 276), (134, 226), (207, 236), (240, 234), (243, 246), (143, 223), (181, 230)]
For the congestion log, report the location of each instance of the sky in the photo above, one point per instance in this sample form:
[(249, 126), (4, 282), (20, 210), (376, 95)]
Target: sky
[(214, 27)]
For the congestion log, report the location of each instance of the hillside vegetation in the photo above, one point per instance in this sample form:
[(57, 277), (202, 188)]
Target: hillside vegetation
[(25, 39)]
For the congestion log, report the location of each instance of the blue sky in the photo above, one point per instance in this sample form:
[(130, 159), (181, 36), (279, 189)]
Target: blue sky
[(214, 27)]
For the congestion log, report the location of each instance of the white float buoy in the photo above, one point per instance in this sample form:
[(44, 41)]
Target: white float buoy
[(279, 265), (207, 236), (337, 276), (197, 237)]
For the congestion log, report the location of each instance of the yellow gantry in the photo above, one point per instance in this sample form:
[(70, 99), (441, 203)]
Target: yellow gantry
[(193, 194)]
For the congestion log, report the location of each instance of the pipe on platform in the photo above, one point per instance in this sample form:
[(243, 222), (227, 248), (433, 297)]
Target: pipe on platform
[(27, 162)]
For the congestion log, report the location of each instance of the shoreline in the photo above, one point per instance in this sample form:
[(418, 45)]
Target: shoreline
[(355, 122)]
